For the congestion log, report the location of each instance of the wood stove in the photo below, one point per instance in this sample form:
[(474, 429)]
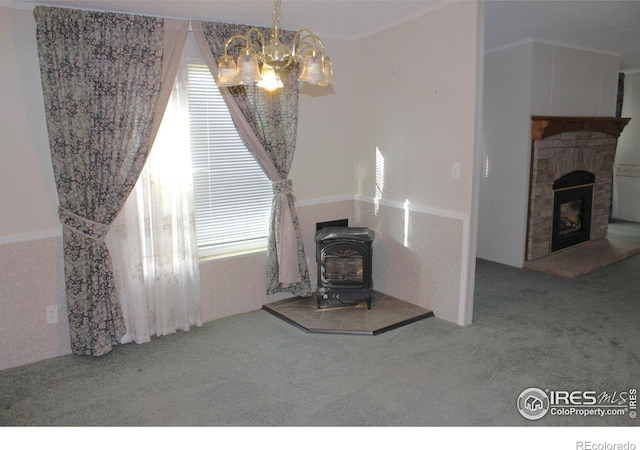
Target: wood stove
[(343, 257)]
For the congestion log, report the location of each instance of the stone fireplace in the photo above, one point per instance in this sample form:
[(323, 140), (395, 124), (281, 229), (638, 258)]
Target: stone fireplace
[(570, 183)]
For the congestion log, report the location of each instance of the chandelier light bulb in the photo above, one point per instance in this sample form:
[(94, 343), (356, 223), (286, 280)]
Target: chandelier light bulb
[(313, 69), (248, 71), (270, 79), (227, 71), (328, 73)]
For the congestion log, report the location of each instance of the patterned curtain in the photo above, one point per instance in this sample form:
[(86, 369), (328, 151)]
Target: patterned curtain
[(620, 96), (267, 123), (102, 78), (613, 208)]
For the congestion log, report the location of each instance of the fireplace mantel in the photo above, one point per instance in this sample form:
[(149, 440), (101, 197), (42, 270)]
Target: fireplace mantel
[(544, 126)]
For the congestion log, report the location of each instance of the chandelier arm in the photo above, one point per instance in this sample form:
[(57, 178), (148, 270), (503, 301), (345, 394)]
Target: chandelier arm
[(304, 45), (255, 30), (296, 47), (230, 40), (247, 39), (289, 61)]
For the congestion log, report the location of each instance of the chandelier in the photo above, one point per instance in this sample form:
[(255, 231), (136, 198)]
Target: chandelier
[(306, 49)]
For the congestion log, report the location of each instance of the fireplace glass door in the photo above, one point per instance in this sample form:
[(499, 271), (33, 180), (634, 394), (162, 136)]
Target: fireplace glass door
[(343, 264), (571, 217), (573, 201)]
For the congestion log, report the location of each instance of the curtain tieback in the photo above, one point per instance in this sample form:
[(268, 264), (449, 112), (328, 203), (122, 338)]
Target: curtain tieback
[(283, 187), (78, 224)]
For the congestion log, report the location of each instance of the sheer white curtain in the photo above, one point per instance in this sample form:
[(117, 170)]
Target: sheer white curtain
[(152, 241)]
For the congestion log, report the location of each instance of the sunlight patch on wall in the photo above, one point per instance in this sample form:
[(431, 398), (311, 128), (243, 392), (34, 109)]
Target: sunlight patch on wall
[(486, 166), (405, 240), (379, 180)]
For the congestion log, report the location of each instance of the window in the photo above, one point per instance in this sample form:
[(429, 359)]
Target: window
[(232, 194)]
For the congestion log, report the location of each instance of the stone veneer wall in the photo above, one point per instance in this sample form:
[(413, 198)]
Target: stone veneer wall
[(555, 156)]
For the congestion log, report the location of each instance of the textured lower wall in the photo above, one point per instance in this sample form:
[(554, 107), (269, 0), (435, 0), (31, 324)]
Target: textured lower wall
[(417, 256), (237, 285), (426, 271), (231, 286), (31, 278)]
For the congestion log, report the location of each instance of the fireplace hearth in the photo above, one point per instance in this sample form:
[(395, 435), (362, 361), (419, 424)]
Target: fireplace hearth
[(344, 259)]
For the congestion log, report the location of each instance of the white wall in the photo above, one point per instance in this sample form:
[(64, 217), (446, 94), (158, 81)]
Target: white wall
[(528, 79), (31, 268), (28, 203), (504, 182), (416, 107), (323, 165), (573, 82), (626, 205)]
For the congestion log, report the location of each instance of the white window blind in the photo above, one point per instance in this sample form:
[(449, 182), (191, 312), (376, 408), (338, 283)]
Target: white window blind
[(232, 194)]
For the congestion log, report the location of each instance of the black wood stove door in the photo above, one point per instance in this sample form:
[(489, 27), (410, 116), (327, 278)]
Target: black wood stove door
[(344, 259)]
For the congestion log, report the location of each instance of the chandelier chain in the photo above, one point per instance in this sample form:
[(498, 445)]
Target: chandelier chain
[(276, 12)]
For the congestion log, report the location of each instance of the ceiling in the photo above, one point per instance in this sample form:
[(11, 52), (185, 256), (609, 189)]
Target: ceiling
[(611, 26)]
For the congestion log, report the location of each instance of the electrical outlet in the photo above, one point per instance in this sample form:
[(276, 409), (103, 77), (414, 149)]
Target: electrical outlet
[(52, 314), (455, 170)]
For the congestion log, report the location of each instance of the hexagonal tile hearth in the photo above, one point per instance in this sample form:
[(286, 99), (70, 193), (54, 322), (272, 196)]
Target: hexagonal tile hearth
[(386, 313)]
